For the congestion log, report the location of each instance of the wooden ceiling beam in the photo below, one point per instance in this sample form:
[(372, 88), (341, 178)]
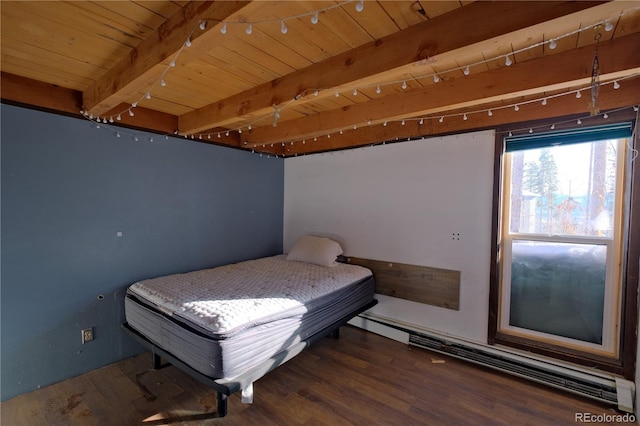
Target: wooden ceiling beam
[(555, 111), (26, 91), (412, 45), (544, 74), (60, 100), (135, 71)]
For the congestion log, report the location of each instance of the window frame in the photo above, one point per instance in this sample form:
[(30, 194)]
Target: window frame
[(611, 311), (622, 360)]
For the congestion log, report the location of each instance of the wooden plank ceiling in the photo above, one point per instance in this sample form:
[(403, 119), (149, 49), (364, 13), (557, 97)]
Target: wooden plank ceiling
[(297, 77)]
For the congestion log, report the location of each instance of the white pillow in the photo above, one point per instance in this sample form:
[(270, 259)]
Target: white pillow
[(318, 250)]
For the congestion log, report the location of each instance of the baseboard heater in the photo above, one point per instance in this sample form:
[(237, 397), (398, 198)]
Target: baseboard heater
[(602, 387)]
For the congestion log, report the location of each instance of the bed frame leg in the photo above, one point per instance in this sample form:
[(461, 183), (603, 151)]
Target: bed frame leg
[(222, 404), (157, 362), (336, 333)]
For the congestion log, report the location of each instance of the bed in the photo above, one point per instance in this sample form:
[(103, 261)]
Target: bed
[(228, 326)]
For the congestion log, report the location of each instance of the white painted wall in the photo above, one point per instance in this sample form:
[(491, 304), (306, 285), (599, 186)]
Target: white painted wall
[(403, 202)]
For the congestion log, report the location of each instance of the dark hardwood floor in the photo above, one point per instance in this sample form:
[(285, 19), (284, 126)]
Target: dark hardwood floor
[(359, 379)]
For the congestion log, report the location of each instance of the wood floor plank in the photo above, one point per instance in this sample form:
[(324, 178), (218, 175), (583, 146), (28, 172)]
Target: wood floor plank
[(359, 379), (119, 392), (37, 403), (25, 409), (355, 398), (381, 392), (185, 382), (101, 410), (71, 409)]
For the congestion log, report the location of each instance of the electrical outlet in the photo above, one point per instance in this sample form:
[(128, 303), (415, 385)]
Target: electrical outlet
[(87, 335)]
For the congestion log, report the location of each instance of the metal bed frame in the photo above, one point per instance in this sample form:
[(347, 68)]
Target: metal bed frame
[(224, 387)]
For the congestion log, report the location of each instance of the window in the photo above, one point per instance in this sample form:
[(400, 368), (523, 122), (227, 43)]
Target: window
[(563, 237)]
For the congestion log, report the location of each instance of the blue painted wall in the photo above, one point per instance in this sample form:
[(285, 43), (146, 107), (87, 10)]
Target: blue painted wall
[(68, 189)]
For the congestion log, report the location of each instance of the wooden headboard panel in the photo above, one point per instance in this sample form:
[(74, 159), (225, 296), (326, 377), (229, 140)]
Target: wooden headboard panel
[(423, 284)]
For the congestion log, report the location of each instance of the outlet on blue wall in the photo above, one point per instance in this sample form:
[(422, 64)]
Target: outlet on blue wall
[(85, 214)]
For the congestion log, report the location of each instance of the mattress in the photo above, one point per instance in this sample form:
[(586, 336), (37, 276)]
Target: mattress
[(225, 320)]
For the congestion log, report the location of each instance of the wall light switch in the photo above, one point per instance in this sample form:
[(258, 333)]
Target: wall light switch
[(119, 234)]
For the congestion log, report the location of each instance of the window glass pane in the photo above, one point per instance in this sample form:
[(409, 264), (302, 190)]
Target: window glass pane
[(558, 288), (564, 190)]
